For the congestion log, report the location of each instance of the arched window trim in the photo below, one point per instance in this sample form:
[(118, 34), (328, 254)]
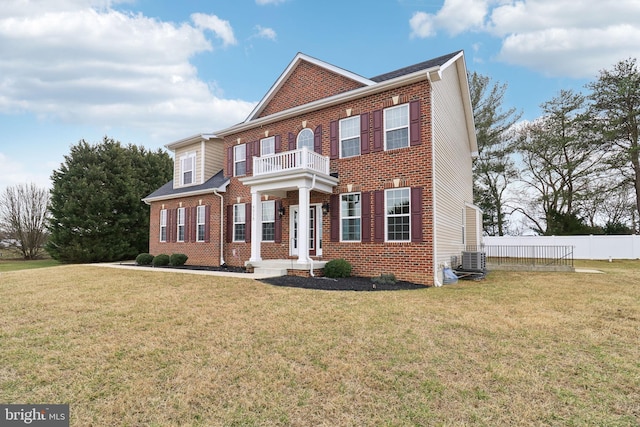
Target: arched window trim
[(308, 138)]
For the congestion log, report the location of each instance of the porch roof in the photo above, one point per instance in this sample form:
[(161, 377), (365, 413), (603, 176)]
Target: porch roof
[(216, 183)]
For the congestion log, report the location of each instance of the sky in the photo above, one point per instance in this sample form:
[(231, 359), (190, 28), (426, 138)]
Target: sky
[(150, 72)]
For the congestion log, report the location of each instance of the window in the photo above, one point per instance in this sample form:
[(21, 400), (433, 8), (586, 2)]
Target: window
[(163, 225), (305, 139), (267, 146), (240, 160), (396, 127), (350, 137), (350, 216), (269, 220), (188, 163), (398, 214), (180, 225), (239, 223), (200, 225)]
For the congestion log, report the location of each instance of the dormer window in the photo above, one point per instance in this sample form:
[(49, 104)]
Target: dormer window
[(305, 139), (188, 165)]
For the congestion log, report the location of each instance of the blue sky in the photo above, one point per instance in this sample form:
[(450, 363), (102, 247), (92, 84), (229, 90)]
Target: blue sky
[(150, 72)]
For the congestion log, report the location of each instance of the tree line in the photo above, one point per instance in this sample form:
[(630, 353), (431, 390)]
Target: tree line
[(573, 170)]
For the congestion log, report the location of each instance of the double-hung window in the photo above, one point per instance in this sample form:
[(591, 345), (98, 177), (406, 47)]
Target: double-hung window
[(188, 165), (398, 214), (350, 214), (239, 222), (200, 225), (396, 127), (240, 160), (268, 220), (163, 225), (267, 146), (180, 223), (350, 137)]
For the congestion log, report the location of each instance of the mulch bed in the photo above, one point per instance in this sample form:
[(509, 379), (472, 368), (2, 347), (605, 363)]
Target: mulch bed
[(341, 284)]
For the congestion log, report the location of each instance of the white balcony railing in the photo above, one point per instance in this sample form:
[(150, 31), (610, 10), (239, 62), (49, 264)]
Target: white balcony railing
[(302, 159)]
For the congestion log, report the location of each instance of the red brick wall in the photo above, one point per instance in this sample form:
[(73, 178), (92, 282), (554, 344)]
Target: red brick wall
[(308, 83), (199, 253), (412, 166)]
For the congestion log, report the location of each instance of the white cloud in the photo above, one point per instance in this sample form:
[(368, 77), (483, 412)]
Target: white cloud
[(265, 33), (80, 62), (554, 37), (264, 2), (220, 27)]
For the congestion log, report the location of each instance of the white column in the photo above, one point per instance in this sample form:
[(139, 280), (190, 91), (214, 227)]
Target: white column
[(256, 226), (303, 225)]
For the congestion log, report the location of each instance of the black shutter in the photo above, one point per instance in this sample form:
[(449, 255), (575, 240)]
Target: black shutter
[(334, 144), (414, 123), (378, 140), (317, 139), (416, 214), (378, 216), (364, 133), (334, 204), (365, 216)]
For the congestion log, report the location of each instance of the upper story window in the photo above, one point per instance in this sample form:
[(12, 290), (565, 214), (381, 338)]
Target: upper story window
[(239, 222), (200, 223), (187, 164), (305, 139), (180, 221), (240, 160), (396, 127), (267, 146), (350, 137), (163, 225), (398, 214), (350, 215)]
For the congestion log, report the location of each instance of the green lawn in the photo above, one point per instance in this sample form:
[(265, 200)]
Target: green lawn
[(138, 348)]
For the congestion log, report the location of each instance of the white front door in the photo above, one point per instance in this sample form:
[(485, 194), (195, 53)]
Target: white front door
[(315, 230)]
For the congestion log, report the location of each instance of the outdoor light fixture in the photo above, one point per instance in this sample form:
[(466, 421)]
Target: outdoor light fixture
[(325, 208), (281, 211)]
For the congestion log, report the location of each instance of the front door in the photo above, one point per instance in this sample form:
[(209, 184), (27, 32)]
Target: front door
[(315, 230)]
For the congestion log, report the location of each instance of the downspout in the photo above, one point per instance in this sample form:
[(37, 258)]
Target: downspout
[(222, 263)]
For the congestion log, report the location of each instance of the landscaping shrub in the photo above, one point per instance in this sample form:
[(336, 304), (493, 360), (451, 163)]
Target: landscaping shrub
[(337, 268), (177, 259), (161, 260), (385, 279), (144, 259)]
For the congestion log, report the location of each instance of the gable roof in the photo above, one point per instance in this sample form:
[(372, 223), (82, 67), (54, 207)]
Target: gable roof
[(217, 182), (438, 62), (289, 71)]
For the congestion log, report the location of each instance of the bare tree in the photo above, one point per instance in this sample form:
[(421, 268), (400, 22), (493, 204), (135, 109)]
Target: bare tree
[(23, 215)]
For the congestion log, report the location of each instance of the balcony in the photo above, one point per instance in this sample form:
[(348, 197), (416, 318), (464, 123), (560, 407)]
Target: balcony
[(278, 173), (289, 161)]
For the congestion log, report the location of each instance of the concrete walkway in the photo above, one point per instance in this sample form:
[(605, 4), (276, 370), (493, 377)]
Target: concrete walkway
[(129, 266)]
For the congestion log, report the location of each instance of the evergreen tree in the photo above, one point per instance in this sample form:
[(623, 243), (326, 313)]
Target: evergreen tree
[(494, 168), (96, 210)]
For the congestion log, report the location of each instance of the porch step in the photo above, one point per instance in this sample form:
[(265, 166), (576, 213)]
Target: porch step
[(279, 267)]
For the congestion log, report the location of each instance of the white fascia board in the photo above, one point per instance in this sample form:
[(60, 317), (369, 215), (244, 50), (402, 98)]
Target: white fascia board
[(173, 146), (287, 72)]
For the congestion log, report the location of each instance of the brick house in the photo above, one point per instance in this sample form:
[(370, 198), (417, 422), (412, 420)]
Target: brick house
[(330, 164)]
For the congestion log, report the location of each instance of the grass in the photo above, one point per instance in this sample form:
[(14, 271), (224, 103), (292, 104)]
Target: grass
[(19, 264), (127, 347)]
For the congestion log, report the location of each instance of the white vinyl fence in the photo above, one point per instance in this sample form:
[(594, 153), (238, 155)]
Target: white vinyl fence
[(585, 247)]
